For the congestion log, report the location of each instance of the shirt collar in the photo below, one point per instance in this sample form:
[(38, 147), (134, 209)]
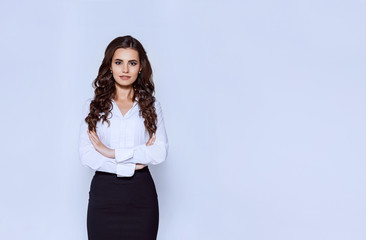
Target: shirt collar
[(118, 112)]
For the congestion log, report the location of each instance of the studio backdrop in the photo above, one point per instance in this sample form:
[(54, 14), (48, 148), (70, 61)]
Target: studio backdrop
[(264, 108)]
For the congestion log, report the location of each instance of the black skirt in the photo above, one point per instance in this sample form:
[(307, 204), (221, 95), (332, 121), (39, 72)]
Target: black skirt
[(123, 207)]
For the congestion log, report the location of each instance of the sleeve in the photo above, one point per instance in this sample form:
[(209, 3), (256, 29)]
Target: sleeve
[(153, 154), (90, 157)]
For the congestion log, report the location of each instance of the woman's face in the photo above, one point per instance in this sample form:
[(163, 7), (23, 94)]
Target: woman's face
[(125, 66)]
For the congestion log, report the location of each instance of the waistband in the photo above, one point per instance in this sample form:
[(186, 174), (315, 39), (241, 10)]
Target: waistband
[(143, 170)]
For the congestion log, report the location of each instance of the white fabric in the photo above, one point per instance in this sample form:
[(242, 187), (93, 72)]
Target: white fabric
[(128, 136)]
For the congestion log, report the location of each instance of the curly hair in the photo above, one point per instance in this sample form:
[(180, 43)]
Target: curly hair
[(105, 90)]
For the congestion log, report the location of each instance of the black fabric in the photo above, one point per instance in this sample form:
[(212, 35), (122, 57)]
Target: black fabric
[(123, 207)]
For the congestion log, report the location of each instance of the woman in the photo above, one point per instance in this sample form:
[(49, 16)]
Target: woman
[(122, 131)]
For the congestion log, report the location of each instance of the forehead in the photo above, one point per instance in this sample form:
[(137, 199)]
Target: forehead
[(126, 54)]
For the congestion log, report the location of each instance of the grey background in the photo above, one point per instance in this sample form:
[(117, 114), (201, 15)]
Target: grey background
[(264, 105)]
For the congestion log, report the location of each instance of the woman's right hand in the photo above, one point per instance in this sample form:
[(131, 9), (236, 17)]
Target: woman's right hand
[(150, 142)]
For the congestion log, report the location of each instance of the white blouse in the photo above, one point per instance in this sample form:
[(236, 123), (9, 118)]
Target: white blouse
[(128, 136)]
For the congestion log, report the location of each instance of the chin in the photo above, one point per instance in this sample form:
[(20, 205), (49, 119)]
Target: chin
[(125, 83)]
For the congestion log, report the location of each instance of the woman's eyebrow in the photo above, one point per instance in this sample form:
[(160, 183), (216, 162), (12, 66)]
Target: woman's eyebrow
[(117, 59)]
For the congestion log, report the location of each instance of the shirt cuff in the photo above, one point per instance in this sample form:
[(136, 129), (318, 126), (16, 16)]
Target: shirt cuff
[(122, 154), (125, 169)]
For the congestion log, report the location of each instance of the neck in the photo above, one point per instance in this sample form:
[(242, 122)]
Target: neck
[(124, 94)]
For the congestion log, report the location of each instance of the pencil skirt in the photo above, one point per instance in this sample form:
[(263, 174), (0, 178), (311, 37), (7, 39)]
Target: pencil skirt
[(123, 207)]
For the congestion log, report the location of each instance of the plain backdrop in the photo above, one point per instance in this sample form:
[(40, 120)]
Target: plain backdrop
[(263, 101)]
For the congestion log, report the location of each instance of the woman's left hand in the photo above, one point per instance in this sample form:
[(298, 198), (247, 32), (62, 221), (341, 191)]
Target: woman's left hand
[(99, 146)]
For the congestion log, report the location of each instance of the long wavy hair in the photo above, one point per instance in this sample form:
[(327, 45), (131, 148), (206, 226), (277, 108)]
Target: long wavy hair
[(105, 89)]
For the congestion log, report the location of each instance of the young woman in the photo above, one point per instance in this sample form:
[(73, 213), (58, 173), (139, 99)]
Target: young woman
[(122, 131)]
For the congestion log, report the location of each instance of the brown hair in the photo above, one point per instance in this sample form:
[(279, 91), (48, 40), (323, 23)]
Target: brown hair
[(104, 87)]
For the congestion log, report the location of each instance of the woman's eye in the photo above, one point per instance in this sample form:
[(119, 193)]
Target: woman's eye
[(132, 63)]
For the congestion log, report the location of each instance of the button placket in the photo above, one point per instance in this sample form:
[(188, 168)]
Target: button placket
[(126, 128), (123, 133), (130, 133)]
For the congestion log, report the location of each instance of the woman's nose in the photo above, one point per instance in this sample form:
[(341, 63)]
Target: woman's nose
[(125, 68)]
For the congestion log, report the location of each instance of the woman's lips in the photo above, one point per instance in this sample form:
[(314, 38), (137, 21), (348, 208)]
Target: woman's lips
[(125, 77)]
